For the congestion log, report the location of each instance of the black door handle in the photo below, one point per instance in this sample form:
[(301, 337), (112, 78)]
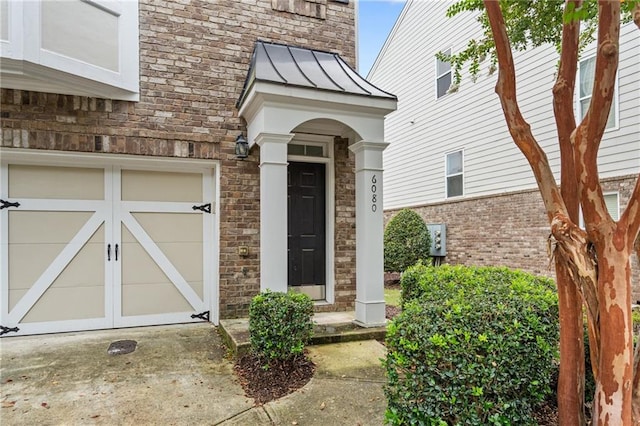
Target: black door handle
[(108, 252), (116, 252)]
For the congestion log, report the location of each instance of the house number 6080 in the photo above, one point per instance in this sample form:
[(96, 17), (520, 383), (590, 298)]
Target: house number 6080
[(374, 196)]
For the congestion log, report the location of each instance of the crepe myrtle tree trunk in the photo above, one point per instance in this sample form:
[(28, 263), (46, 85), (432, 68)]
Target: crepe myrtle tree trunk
[(571, 377), (592, 267), (636, 355)]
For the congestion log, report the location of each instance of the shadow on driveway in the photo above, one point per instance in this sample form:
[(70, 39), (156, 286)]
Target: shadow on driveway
[(177, 375)]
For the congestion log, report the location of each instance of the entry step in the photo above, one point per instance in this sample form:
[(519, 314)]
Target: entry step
[(329, 327)]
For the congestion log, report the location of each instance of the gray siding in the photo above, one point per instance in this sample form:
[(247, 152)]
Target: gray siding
[(424, 128)]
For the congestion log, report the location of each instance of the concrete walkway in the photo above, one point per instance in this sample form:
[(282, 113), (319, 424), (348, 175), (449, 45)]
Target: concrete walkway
[(178, 375)]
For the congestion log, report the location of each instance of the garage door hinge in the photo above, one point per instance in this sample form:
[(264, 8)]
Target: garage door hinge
[(205, 208), (5, 330), (203, 316), (7, 204)]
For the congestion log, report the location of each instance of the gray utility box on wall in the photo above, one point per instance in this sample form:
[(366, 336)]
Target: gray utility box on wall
[(438, 232)]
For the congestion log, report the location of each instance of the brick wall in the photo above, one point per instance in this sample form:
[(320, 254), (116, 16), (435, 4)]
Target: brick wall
[(194, 56), (507, 229)]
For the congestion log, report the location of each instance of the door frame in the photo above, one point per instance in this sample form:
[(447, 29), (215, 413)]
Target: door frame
[(123, 161), (330, 204)]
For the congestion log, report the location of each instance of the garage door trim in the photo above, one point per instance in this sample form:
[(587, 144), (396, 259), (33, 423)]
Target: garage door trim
[(211, 181)]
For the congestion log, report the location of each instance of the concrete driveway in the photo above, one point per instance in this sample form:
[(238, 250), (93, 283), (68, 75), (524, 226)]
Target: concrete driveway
[(177, 375)]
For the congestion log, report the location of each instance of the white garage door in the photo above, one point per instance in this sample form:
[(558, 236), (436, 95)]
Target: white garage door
[(101, 247)]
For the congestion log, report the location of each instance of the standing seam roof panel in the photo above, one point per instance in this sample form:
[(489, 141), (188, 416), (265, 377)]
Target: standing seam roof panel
[(299, 67), (264, 66), (285, 66), (309, 65)]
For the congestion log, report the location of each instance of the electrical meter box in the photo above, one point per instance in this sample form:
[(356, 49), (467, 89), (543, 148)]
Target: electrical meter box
[(438, 232)]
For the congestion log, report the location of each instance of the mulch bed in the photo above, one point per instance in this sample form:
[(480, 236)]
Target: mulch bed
[(392, 311), (546, 414), (285, 377), (279, 379)]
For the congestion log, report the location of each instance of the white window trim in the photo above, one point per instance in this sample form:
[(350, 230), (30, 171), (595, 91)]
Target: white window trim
[(435, 71), (615, 104), (326, 147), (329, 161), (616, 193), (447, 175)]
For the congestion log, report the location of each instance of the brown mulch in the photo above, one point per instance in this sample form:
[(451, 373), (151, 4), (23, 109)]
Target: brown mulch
[(279, 379), (392, 311), (546, 414), (285, 377)]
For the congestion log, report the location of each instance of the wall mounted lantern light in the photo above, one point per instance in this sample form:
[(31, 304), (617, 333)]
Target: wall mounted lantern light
[(242, 147)]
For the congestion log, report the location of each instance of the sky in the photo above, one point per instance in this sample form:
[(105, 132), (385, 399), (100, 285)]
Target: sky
[(375, 21)]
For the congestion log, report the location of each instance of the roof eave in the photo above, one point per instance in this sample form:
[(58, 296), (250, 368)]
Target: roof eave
[(304, 96)]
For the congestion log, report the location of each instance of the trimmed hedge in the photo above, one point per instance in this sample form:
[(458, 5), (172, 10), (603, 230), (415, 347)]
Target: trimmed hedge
[(280, 324), (406, 241), (473, 346)]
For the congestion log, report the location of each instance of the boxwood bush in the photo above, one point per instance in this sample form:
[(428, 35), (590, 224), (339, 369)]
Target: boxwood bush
[(280, 324), (406, 241), (473, 346)]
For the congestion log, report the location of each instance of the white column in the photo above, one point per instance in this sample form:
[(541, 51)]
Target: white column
[(273, 210), (370, 308)]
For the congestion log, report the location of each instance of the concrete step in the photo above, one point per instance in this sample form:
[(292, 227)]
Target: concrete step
[(329, 327)]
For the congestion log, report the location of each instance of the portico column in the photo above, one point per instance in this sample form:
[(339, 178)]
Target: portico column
[(370, 308), (273, 210)]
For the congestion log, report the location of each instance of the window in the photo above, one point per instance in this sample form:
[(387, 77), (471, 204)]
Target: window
[(613, 207), (443, 76), (454, 178), (585, 77), (306, 150)]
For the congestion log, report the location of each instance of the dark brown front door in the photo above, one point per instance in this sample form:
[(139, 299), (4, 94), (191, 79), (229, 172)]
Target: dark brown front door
[(306, 227)]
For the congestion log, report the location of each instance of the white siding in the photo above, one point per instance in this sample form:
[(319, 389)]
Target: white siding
[(424, 129)]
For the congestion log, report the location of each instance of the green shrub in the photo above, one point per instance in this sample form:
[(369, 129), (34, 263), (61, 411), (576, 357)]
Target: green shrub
[(406, 241), (410, 282), (473, 346), (280, 324)]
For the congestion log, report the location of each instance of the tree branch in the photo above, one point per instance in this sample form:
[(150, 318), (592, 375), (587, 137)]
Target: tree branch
[(588, 134), (563, 96), (630, 217), (518, 127)]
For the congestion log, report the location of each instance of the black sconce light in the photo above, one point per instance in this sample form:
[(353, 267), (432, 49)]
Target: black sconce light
[(242, 147)]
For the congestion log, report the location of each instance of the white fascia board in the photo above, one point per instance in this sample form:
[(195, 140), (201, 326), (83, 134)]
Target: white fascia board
[(275, 108), (294, 95), (24, 75)]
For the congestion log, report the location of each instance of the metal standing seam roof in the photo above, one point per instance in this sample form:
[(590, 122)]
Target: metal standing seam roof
[(315, 69)]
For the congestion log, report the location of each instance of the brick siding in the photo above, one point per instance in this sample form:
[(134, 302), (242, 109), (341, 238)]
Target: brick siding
[(507, 229), (194, 56)]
